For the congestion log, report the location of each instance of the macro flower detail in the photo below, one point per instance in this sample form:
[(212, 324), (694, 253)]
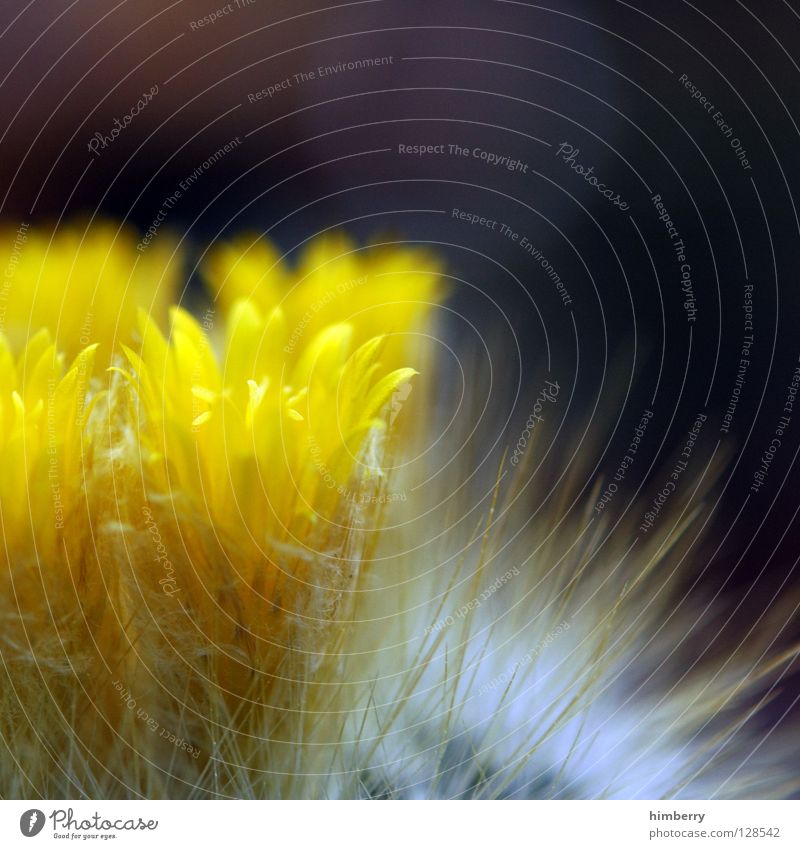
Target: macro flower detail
[(381, 285), (188, 526), (212, 587), (269, 463), (84, 284)]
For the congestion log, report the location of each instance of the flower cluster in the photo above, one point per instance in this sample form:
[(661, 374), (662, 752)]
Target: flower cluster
[(141, 455), (240, 560)]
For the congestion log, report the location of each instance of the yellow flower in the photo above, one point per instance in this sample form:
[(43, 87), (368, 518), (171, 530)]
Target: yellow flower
[(201, 594), (183, 534), (381, 286), (83, 284), (43, 410), (271, 455)]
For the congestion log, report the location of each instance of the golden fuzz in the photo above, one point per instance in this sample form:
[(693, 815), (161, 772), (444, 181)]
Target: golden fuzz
[(208, 588), (182, 527), (84, 285)]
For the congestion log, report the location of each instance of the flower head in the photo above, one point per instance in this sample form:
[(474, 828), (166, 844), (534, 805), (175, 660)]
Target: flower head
[(207, 592), (195, 521), (83, 284)]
